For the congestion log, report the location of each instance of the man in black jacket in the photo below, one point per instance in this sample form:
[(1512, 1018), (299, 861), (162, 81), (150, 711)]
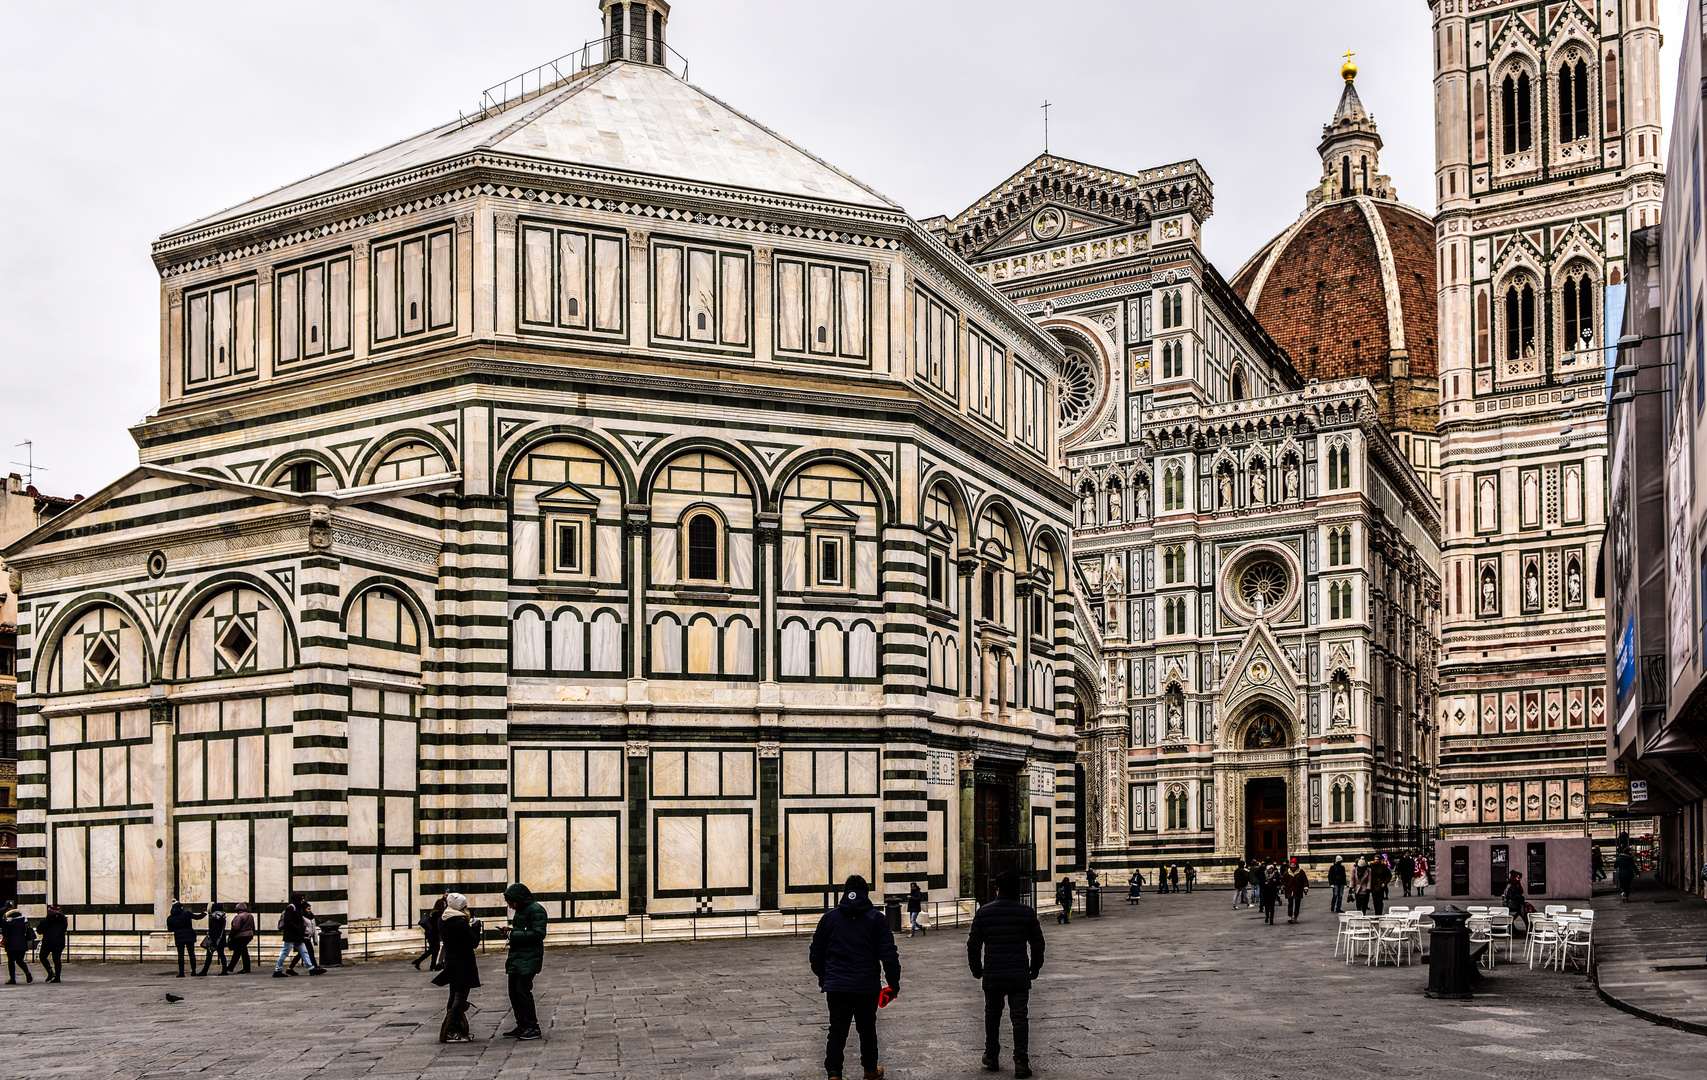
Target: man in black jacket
[(52, 929), (849, 947), (996, 951), (294, 928)]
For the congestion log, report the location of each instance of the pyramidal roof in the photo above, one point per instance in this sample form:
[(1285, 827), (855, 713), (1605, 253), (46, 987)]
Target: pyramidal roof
[(621, 117), (1351, 106)]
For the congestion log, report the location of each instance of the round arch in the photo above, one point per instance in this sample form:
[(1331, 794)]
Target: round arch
[(276, 468), (733, 454), (940, 477), (1004, 509), (791, 467), (47, 645), (1076, 331), (192, 600), (423, 617), (525, 441), (369, 461), (1250, 711)]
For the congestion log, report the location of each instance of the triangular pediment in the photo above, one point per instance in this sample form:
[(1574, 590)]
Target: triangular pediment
[(567, 493), (1052, 224), (830, 511), (1260, 668)]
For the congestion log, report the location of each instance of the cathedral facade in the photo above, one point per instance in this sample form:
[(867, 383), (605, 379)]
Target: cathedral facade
[(1549, 155), (598, 491), (1254, 556)]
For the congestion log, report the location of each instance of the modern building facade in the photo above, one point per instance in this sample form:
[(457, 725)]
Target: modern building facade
[(598, 491), (1656, 565), (1548, 158), (1253, 555)]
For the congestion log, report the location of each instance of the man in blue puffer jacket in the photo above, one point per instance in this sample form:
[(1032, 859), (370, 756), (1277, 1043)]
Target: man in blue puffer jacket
[(849, 947)]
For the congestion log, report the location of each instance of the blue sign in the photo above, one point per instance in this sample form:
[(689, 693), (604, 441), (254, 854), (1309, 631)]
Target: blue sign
[(1625, 661), (1614, 328)]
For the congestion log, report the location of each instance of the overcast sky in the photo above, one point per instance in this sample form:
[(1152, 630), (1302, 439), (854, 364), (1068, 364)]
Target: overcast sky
[(127, 119)]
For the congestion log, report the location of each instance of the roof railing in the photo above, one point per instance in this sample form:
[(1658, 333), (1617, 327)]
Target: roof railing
[(553, 74)]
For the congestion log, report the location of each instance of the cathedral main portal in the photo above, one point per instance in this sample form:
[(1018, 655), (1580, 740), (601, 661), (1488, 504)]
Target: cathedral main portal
[(1265, 819)]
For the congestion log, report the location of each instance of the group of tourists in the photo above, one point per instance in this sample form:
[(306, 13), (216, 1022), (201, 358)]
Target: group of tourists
[(17, 935)]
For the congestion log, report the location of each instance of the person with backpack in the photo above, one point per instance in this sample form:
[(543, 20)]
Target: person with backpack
[(853, 954), (526, 935), (214, 940), (307, 940), (458, 971), (429, 925), (240, 933), (16, 934), (1406, 868), (1241, 885), (53, 927), (915, 906), (1173, 878), (1005, 950), (183, 926), (1624, 870), (293, 924), (1064, 898), (1190, 878)]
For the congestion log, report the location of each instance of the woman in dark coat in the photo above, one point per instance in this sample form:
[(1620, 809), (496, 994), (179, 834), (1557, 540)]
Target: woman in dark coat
[(214, 941), (53, 927), (1270, 891), (1514, 901), (457, 967), (430, 927), (183, 927), (239, 935)]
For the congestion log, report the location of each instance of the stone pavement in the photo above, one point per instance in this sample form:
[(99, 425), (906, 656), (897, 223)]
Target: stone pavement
[(1181, 987), (1651, 953)]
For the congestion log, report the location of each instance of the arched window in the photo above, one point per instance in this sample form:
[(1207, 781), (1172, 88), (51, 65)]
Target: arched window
[(1515, 113), (1339, 467), (1342, 802), (702, 548), (411, 461), (1238, 384), (1579, 311), (1173, 489), (1365, 166), (1519, 320), (1173, 565), (1573, 101), (1345, 176), (240, 632)]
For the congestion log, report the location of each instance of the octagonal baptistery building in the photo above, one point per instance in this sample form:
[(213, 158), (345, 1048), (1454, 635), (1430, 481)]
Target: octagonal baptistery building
[(1348, 290), (598, 491)]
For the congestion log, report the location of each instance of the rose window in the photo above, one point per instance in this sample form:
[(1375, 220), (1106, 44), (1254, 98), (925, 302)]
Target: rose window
[(1078, 388), (1262, 584)]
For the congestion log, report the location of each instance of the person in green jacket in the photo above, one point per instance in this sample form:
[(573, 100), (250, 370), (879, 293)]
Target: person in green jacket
[(526, 935)]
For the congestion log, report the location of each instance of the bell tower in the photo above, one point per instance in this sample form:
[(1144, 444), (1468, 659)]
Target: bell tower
[(634, 29)]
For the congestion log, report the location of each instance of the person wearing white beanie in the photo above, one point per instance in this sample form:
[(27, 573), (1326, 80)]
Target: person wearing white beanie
[(458, 970)]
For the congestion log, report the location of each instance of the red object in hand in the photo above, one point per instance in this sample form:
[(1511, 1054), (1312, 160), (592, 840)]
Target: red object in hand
[(886, 995)]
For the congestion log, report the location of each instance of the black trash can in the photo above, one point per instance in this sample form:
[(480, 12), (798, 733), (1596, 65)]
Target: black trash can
[(892, 909), (1093, 900), (1449, 965), (331, 945)]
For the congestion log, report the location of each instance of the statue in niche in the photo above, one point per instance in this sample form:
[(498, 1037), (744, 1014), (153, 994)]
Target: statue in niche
[(1114, 505), (1116, 575), (1259, 487), (1490, 599), (1265, 734), (1531, 588), (1291, 481), (1088, 510), (1142, 500), (1176, 719), (1116, 681), (1226, 496), (1574, 584), (1342, 706)]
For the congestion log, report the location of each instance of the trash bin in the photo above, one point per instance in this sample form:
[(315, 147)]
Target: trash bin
[(331, 945), (1093, 900), (1449, 967), (892, 909)]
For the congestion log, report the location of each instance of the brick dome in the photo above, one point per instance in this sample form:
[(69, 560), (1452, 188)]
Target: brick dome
[(1348, 286)]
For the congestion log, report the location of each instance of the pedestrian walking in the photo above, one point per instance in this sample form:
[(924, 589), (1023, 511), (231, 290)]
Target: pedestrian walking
[(1337, 882), (293, 926), (1005, 950), (1425, 875), (182, 924), (1241, 885), (1407, 871), (16, 934), (1162, 879), (1362, 881), (1190, 877), (458, 969), (1295, 883), (1515, 904), (239, 934), (1135, 886), (1380, 876), (429, 925), (1173, 878), (526, 935), (1624, 869), (1597, 863), (1064, 898), (915, 906), (307, 940), (52, 929), (214, 940), (1270, 891), (853, 954)]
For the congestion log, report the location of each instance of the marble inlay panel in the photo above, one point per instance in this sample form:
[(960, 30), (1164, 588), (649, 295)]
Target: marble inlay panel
[(527, 642), (524, 549), (669, 777), (71, 860), (680, 855), (221, 769), (865, 566), (702, 647), (195, 861), (113, 770), (862, 652), (793, 563), (272, 859), (797, 772), (104, 864), (568, 774), (593, 854), (88, 777), (231, 860), (190, 770), (862, 772), (363, 740), (399, 821), (242, 713), (796, 649), (852, 845), (281, 780), (609, 539), (400, 756), (604, 774), (704, 773), (541, 847), (530, 780), (738, 649), (139, 864), (832, 772), (741, 560), (568, 642), (363, 821), (808, 849), (364, 887), (198, 716), (737, 774), (663, 556), (606, 643), (251, 767), (99, 727), (62, 779), (728, 850), (667, 646)]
